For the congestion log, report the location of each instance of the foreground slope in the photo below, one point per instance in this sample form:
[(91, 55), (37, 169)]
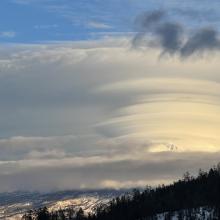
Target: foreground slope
[(189, 194)]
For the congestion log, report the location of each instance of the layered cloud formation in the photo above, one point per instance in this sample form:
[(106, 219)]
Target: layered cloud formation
[(100, 114)]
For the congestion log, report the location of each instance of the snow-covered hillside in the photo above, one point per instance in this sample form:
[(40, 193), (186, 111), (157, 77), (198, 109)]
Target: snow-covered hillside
[(14, 205)]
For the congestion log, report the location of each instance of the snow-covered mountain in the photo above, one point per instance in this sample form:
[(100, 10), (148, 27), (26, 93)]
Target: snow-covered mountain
[(14, 205)]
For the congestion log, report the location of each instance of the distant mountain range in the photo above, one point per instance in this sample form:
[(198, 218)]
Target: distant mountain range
[(14, 205)]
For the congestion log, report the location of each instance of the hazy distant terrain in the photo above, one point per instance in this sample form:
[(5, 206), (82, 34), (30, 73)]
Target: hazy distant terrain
[(13, 205)]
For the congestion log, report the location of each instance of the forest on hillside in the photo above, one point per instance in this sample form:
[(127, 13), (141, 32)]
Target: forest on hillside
[(189, 193)]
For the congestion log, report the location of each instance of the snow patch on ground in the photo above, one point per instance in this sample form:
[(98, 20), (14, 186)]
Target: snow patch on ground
[(202, 213)]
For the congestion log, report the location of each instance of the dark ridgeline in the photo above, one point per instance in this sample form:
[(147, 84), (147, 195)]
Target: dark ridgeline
[(187, 194)]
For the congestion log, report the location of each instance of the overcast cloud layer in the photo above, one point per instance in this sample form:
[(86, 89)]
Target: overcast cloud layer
[(100, 114)]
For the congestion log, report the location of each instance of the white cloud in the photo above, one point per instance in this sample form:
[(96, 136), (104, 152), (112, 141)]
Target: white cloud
[(46, 26), (98, 25), (26, 2), (7, 34)]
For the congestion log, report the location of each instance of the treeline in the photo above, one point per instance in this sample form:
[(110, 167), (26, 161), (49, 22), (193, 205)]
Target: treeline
[(66, 214), (186, 194)]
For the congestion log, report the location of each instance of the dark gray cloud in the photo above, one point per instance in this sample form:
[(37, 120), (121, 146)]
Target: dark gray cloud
[(170, 35), (200, 41), (173, 37), (145, 21)]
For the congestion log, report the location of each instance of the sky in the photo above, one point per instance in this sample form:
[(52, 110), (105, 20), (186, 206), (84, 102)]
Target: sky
[(107, 93)]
